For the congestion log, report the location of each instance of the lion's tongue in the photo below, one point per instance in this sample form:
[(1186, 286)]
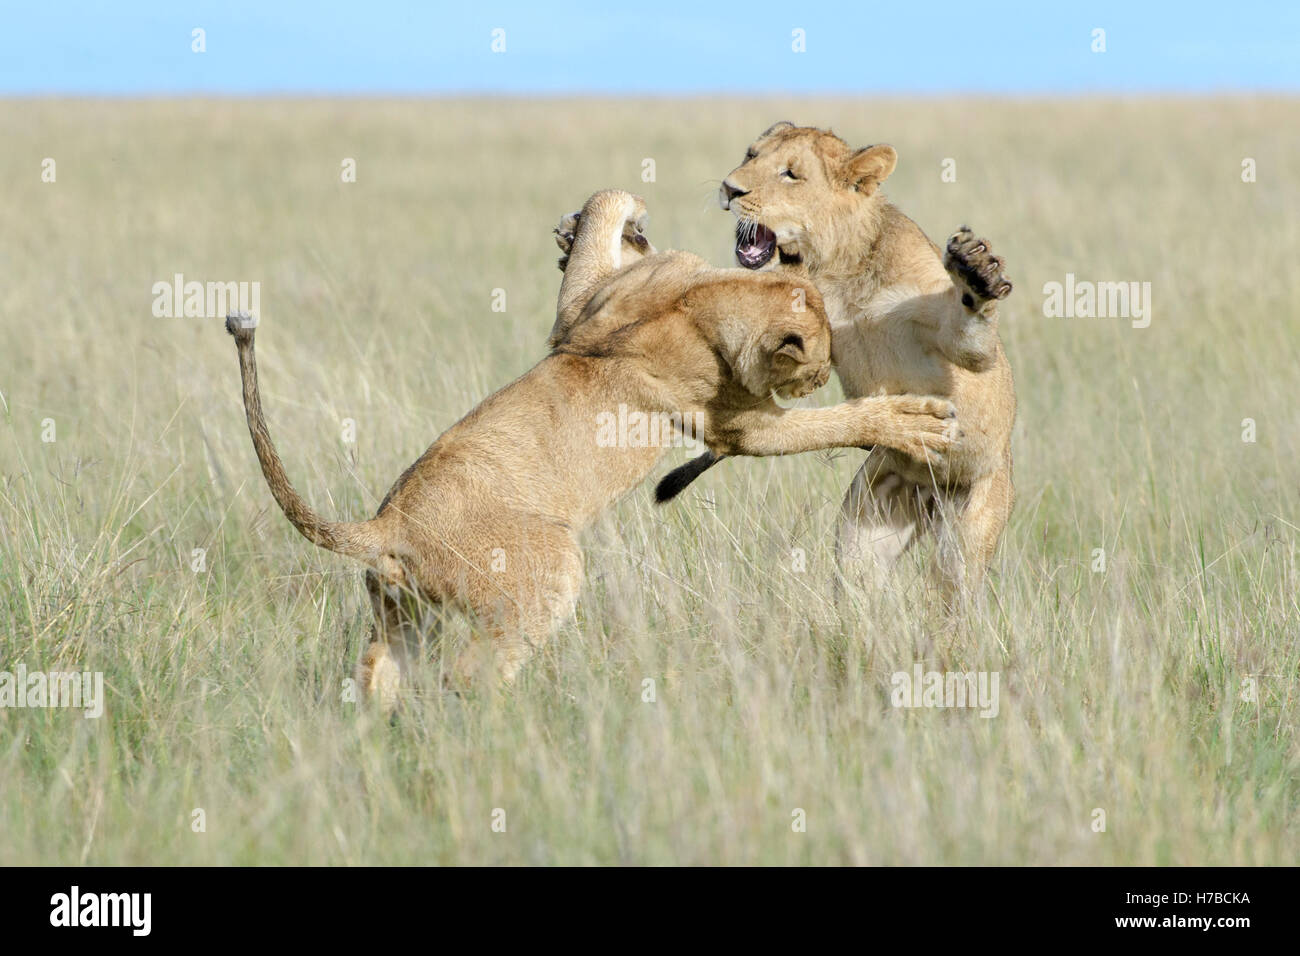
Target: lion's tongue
[(755, 246)]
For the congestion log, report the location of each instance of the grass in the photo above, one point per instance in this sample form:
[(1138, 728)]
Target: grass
[(1122, 690)]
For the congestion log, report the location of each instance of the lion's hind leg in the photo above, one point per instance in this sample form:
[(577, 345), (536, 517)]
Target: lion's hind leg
[(881, 518), (518, 607), (967, 531), (406, 625)]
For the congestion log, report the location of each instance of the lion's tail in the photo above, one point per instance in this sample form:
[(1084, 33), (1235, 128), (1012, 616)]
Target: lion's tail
[(675, 482), (354, 539)]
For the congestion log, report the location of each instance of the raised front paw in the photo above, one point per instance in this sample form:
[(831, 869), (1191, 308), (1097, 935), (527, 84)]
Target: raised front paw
[(634, 217), (564, 236), (627, 209), (634, 233), (974, 268), (922, 427)]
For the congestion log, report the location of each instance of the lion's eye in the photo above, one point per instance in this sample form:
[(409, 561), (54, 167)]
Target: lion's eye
[(750, 154), (788, 174)]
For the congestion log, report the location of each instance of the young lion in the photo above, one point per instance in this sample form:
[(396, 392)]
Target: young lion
[(903, 319), (523, 473)]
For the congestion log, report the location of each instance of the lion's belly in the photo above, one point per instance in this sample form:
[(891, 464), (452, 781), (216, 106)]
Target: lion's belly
[(869, 361)]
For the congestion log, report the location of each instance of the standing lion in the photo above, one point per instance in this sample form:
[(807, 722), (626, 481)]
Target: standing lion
[(905, 317)]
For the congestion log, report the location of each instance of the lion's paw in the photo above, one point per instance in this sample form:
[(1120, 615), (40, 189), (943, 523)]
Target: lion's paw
[(565, 233), (975, 269), (634, 233)]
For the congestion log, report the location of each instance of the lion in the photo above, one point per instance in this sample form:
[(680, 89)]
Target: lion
[(488, 519), (904, 319)]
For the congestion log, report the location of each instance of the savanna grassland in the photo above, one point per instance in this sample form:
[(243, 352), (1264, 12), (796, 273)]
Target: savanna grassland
[(1161, 690)]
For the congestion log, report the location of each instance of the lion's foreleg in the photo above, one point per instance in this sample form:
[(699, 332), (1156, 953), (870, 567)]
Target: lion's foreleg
[(968, 327), (596, 253)]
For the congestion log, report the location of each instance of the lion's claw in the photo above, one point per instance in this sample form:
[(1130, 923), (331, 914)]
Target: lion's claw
[(565, 233), (975, 269)]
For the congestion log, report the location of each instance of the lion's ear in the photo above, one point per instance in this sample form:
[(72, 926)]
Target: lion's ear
[(868, 168), (784, 124), (792, 347)]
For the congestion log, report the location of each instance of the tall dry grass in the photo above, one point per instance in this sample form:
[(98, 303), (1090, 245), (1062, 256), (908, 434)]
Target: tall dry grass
[(1121, 690)]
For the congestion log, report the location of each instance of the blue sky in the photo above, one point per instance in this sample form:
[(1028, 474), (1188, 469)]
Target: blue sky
[(143, 47)]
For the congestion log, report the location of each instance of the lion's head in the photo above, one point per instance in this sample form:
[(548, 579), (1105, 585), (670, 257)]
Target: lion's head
[(775, 335), (799, 359), (790, 359), (801, 194)]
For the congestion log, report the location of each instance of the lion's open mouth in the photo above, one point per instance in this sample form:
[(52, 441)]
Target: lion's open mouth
[(755, 244)]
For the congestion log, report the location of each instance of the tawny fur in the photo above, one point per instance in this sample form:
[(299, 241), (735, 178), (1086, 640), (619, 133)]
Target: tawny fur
[(905, 318), (487, 520)]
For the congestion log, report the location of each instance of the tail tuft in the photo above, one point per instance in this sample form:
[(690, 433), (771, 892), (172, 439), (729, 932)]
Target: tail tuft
[(675, 482), (241, 325)]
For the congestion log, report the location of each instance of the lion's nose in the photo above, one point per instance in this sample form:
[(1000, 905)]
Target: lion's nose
[(729, 192)]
